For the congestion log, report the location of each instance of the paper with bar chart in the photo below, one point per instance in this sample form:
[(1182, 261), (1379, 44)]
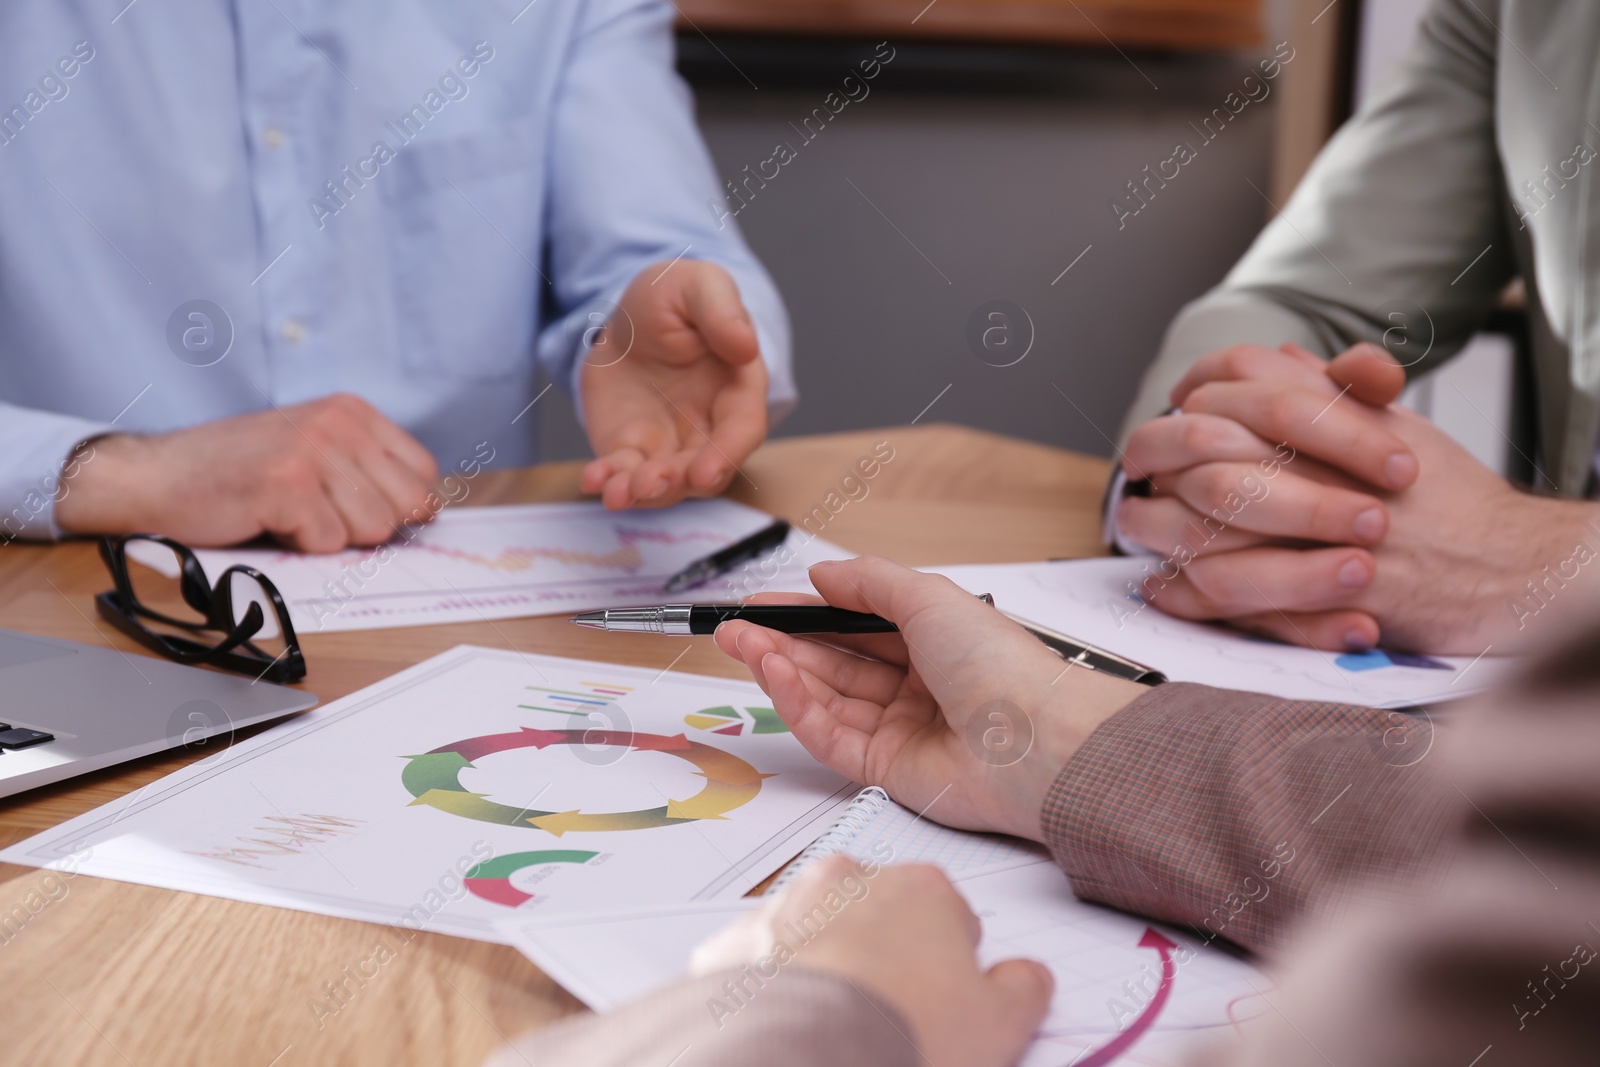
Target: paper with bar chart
[(477, 784), (476, 563)]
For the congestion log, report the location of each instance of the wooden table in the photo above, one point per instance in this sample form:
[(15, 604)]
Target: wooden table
[(114, 973)]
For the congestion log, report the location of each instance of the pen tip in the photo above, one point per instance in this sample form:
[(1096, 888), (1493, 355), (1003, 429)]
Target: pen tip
[(595, 619)]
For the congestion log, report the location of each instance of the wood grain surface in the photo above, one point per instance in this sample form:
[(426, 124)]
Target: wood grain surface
[(112, 973), (1200, 25)]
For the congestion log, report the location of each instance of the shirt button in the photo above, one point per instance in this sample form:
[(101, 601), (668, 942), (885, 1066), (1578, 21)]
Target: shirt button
[(293, 331), (272, 137)]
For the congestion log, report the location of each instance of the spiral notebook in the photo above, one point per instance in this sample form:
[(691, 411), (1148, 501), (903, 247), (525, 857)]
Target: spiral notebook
[(875, 829)]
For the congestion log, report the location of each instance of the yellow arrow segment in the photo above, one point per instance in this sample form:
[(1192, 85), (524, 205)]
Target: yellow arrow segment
[(730, 783), (716, 798), (719, 766), (565, 822)]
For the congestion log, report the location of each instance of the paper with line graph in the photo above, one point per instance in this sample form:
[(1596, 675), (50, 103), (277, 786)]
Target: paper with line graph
[(478, 563), (1126, 991)]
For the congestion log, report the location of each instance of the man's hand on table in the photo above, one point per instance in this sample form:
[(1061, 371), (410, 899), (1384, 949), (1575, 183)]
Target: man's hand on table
[(905, 935), (962, 716), (319, 476), (674, 390), (1381, 526)]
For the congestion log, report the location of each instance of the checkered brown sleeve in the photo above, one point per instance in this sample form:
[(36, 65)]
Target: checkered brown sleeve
[(1237, 815)]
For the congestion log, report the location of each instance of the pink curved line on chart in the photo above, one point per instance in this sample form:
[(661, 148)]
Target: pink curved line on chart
[(1108, 1052)]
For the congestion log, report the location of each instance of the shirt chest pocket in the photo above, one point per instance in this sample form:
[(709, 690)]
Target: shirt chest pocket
[(462, 227)]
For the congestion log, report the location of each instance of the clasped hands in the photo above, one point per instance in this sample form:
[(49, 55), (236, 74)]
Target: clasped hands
[(1374, 525)]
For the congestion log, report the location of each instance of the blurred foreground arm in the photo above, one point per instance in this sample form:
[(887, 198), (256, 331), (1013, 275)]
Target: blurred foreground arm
[(1493, 961), (850, 965)]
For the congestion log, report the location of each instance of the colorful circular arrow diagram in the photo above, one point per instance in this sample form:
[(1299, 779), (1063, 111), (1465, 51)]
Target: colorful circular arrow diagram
[(434, 779), (491, 879)]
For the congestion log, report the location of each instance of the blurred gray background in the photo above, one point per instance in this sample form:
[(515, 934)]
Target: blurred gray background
[(972, 174)]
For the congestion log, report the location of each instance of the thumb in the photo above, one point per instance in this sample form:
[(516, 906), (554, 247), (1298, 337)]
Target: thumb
[(1370, 373), (713, 308), (1023, 989)]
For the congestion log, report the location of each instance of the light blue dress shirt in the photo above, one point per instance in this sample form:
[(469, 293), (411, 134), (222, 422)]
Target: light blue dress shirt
[(411, 200)]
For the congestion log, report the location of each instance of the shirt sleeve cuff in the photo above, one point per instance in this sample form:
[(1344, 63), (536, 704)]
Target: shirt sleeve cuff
[(37, 451), (782, 396)]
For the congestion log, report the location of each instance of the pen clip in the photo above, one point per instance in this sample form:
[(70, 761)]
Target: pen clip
[(1077, 652)]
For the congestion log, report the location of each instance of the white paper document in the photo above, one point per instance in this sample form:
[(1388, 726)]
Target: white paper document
[(1126, 990), (1095, 601), (476, 563), (476, 785)]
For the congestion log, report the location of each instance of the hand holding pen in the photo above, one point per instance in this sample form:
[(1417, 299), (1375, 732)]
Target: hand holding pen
[(960, 709), (701, 619), (792, 617)]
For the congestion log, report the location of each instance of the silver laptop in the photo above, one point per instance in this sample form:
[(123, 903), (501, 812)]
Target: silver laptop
[(69, 709)]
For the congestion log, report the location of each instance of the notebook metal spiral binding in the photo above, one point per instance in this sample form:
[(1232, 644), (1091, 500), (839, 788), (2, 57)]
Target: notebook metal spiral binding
[(862, 810)]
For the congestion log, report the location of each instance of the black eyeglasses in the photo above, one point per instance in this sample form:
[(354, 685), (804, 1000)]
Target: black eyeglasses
[(164, 601)]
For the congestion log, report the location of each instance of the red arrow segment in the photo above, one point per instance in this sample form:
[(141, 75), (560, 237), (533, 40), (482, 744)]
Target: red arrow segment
[(1108, 1052), (627, 739), (527, 737), (661, 743), (591, 736), (472, 748)]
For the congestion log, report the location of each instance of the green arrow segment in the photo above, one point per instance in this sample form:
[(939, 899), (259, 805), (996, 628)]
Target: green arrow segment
[(433, 770)]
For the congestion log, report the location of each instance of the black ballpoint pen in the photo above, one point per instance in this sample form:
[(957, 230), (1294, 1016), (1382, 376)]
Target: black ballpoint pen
[(725, 559), (688, 620)]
